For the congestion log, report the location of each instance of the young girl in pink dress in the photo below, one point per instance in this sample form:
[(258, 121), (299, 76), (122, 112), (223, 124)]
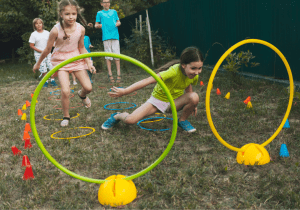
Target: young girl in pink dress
[(68, 36)]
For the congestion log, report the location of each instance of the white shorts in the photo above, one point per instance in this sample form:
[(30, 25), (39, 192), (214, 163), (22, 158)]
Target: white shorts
[(45, 63), (112, 46), (160, 105)]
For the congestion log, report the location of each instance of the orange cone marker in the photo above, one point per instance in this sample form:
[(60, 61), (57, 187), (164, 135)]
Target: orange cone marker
[(20, 113), (31, 95), (218, 91), (247, 100), (28, 173), (15, 150), (26, 136), (25, 161), (27, 127), (201, 83), (27, 103)]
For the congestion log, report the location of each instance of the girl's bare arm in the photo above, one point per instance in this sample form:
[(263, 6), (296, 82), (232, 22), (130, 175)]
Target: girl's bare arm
[(118, 92), (82, 50), (189, 89)]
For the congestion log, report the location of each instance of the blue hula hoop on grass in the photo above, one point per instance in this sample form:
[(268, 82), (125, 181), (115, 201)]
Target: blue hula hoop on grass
[(72, 91), (151, 118), (134, 105)]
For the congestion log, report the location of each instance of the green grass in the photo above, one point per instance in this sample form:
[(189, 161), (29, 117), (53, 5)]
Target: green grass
[(199, 172)]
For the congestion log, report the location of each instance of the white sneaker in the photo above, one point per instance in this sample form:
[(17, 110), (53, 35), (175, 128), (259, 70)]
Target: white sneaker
[(74, 83)]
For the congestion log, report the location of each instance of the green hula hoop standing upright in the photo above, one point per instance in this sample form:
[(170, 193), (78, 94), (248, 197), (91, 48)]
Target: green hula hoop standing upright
[(102, 54)]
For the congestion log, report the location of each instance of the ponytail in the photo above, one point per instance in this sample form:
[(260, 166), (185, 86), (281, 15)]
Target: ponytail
[(188, 55), (167, 65)]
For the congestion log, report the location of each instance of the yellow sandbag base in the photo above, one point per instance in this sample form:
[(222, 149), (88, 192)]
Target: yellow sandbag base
[(254, 154), (116, 191)]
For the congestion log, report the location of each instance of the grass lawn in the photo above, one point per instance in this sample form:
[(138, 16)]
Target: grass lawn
[(198, 173)]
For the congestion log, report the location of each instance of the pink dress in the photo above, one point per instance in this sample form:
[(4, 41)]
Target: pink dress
[(65, 49)]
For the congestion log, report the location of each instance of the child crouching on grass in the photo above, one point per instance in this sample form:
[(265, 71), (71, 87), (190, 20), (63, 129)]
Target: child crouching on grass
[(178, 77)]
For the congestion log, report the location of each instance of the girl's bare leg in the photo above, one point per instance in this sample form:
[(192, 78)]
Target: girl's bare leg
[(85, 82), (63, 78), (144, 110), (73, 77), (187, 102)]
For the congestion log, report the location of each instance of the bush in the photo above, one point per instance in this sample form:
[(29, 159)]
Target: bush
[(235, 62), (25, 52), (137, 45)]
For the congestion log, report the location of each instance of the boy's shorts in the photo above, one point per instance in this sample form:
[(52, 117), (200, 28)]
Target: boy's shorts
[(112, 46), (45, 63)]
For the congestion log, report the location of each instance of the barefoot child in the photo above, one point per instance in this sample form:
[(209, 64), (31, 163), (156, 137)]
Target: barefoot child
[(68, 36), (178, 79), (38, 42)]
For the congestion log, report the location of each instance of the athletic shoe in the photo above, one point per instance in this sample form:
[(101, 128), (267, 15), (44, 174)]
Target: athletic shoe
[(74, 83), (186, 125), (53, 83), (46, 84), (110, 122)]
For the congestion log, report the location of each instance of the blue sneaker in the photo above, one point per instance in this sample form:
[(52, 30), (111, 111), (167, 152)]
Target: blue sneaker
[(46, 84), (110, 122), (186, 125), (53, 83)]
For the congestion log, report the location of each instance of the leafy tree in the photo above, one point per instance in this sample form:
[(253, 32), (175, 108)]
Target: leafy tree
[(139, 5), (16, 16)]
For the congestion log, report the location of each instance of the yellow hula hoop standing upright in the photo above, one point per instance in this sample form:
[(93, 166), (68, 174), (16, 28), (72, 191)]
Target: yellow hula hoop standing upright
[(209, 87)]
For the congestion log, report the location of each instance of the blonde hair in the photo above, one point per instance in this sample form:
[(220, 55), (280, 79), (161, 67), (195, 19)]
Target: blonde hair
[(34, 22), (61, 6)]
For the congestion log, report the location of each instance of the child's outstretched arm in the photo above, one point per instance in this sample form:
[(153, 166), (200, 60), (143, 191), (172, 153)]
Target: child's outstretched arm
[(52, 37), (82, 50), (118, 92)]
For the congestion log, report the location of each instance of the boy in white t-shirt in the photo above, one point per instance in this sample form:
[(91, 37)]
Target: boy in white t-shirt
[(38, 42)]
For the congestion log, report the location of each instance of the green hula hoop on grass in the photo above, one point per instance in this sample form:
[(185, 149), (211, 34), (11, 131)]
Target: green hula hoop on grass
[(102, 54)]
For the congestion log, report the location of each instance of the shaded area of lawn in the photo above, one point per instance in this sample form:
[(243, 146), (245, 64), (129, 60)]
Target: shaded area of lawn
[(199, 172)]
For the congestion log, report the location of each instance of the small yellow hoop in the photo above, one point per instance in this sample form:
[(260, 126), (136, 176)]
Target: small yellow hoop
[(45, 117), (75, 137), (150, 121)]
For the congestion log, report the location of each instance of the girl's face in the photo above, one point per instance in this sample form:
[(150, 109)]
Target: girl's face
[(192, 69), (38, 25), (69, 15)]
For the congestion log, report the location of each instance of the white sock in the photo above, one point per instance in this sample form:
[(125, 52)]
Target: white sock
[(52, 79)]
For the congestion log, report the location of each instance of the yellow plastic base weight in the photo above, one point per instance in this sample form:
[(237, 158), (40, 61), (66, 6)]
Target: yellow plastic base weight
[(116, 191), (254, 154)]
